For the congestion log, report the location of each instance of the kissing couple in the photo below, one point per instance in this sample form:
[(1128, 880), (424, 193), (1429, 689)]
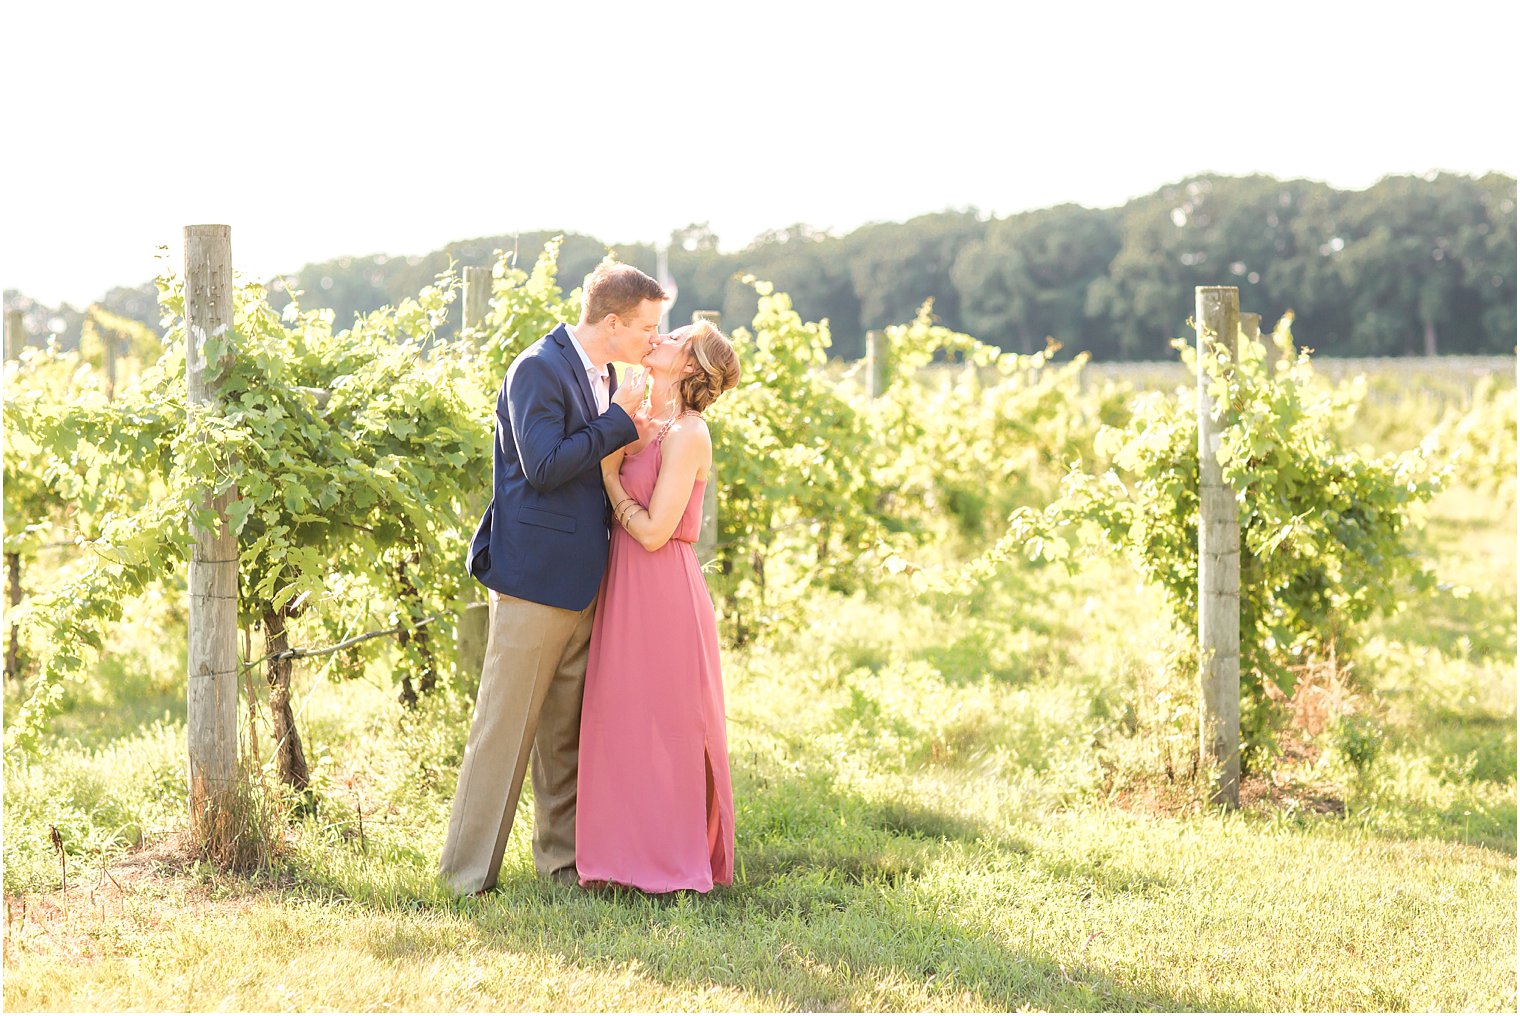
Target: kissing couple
[(602, 657)]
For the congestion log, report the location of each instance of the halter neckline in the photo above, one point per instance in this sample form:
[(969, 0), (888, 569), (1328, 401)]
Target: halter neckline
[(670, 422)]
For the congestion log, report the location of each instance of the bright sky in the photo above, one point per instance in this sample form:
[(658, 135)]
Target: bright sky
[(318, 129)]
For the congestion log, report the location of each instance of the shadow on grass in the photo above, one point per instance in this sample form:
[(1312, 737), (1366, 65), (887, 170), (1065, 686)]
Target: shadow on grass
[(839, 903), (838, 953)]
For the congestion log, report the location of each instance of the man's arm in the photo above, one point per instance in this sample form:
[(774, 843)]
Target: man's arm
[(536, 414)]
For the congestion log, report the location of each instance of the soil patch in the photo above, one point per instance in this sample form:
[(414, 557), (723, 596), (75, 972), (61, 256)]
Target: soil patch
[(142, 890)]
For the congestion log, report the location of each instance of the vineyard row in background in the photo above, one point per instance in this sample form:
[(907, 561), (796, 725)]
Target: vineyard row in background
[(348, 466)]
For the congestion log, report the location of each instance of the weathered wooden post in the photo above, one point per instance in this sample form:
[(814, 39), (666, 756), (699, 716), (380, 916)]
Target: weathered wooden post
[(707, 542), (213, 658), (474, 623), (876, 363), (108, 346), (1217, 318), (15, 334), (1250, 327), (477, 303), (15, 341), (13, 594), (473, 628)]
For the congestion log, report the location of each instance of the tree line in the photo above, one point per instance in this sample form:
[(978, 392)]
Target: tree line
[(1411, 265)]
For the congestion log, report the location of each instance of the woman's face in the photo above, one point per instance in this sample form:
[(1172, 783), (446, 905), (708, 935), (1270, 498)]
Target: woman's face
[(670, 352)]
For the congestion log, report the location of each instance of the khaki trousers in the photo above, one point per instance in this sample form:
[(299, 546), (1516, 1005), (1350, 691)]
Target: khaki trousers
[(529, 702)]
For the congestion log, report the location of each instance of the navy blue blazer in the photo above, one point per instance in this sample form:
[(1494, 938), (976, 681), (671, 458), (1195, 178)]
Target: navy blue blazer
[(544, 535)]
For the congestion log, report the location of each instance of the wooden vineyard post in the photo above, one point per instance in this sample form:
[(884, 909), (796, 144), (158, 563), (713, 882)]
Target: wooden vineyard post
[(474, 623), (1217, 319), (707, 541), (876, 364), (15, 341), (1250, 328), (15, 334), (108, 346), (213, 657), (13, 594), (477, 303)]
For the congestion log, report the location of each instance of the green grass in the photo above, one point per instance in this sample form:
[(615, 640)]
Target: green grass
[(1097, 911), (943, 803)]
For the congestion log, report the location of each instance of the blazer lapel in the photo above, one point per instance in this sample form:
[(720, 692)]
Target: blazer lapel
[(567, 350)]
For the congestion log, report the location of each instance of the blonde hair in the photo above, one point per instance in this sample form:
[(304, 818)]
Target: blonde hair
[(716, 367)]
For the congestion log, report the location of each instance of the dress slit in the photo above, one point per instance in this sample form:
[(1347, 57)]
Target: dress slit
[(715, 838)]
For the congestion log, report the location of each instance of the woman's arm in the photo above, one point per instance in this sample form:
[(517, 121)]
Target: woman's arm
[(686, 451)]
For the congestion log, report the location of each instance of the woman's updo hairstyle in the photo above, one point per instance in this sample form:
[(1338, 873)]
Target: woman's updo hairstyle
[(715, 367)]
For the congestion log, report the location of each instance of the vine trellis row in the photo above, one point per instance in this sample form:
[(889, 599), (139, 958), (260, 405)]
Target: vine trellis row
[(344, 469)]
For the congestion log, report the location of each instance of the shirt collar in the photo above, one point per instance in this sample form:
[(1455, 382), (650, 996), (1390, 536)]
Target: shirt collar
[(581, 352)]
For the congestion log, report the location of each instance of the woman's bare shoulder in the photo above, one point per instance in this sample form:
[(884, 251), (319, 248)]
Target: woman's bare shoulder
[(689, 430)]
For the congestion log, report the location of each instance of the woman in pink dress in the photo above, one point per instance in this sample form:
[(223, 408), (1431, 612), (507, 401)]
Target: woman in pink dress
[(654, 807)]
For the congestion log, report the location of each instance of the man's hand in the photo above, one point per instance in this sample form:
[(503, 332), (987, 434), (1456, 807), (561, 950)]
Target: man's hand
[(630, 394)]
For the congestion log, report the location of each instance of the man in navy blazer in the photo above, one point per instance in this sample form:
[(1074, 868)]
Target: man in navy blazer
[(540, 549)]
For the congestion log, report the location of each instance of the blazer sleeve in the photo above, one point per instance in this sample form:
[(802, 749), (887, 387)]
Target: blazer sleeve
[(536, 410)]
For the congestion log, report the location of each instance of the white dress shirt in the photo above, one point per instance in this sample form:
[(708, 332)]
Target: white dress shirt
[(600, 385)]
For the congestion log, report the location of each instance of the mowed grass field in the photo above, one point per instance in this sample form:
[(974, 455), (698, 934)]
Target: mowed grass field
[(944, 802)]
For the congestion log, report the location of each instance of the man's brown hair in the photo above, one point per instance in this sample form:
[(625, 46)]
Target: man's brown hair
[(616, 288)]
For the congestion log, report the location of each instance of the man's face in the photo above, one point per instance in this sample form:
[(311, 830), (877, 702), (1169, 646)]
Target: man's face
[(670, 352), (634, 335)]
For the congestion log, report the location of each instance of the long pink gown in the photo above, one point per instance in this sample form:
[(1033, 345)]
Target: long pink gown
[(655, 807)]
